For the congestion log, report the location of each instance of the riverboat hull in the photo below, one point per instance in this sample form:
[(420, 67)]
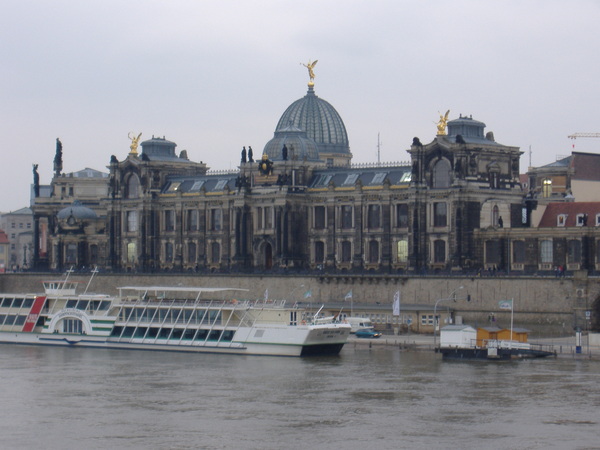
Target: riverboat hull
[(147, 321)]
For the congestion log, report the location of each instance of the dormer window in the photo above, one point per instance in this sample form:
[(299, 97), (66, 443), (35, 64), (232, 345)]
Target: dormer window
[(561, 220), (598, 220), (582, 220)]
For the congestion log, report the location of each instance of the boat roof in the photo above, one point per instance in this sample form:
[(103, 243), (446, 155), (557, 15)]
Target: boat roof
[(179, 289)]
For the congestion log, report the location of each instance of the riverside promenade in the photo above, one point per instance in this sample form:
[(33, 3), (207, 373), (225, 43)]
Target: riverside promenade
[(565, 347)]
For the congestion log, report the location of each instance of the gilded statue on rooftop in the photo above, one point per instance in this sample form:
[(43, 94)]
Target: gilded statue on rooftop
[(441, 125), (311, 74), (134, 142)]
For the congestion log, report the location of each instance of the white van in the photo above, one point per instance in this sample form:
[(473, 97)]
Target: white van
[(359, 323)]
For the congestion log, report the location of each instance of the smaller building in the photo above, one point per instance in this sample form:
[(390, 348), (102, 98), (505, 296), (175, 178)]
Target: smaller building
[(457, 336), (4, 254), (18, 226)]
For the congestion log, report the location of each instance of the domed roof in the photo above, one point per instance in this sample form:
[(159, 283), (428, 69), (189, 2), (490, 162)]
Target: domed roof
[(299, 146), (77, 211), (320, 120)]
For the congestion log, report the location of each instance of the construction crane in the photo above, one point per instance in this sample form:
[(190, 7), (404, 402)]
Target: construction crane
[(584, 135)]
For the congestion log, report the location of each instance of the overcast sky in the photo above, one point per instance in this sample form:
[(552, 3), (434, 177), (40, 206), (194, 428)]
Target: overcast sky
[(214, 76)]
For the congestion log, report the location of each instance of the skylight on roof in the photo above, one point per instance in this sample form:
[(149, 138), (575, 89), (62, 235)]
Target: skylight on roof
[(351, 179), (378, 178), (197, 185), (220, 185)]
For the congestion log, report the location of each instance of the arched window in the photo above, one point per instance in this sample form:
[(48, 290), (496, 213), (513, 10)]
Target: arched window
[(191, 252), (319, 252), (131, 252), (441, 174), (495, 215), (215, 253), (373, 251), (439, 251), (546, 255), (546, 187), (574, 251), (346, 251), (402, 250), (133, 186)]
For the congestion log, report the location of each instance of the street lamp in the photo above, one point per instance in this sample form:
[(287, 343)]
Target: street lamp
[(452, 296)]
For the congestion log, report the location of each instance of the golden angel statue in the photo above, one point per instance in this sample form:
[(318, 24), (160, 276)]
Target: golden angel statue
[(441, 125), (134, 142), (310, 66)]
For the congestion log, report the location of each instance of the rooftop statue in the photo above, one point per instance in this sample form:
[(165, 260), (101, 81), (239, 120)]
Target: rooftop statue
[(310, 66), (134, 142), (441, 125)]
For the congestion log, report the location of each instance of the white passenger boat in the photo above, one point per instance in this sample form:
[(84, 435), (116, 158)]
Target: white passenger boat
[(188, 319)]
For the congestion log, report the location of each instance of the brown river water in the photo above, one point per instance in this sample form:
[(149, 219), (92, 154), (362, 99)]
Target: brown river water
[(379, 398)]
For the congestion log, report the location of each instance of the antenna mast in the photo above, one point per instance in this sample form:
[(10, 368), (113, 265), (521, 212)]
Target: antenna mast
[(378, 149)]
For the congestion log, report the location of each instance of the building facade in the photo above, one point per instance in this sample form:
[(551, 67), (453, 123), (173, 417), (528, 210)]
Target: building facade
[(299, 205)]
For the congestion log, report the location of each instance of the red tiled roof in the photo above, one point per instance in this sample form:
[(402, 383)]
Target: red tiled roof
[(3, 237), (570, 210)]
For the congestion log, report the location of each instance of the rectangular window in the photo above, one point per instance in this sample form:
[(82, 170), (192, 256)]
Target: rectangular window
[(216, 220), (347, 222), (546, 255), (440, 214), (132, 221), (269, 217), (169, 252), (518, 254), (402, 251), (169, 220), (402, 215), (192, 220), (373, 216), (319, 217)]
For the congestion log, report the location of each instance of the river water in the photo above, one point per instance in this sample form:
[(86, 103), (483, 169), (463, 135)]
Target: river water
[(378, 398)]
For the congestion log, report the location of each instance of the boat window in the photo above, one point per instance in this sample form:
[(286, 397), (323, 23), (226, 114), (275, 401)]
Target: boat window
[(71, 303), (104, 305), (202, 335), (214, 335), (189, 335), (164, 333), (27, 303), (2, 317), (140, 332), (10, 319), (116, 331), (128, 332), (127, 312), (152, 332), (17, 302), (73, 326), (7, 302), (177, 333), (83, 304), (227, 335), (20, 320)]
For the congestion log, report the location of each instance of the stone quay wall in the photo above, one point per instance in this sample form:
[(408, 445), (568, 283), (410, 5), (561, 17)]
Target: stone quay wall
[(549, 305)]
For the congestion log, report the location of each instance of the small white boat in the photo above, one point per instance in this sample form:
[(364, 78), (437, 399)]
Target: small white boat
[(188, 319)]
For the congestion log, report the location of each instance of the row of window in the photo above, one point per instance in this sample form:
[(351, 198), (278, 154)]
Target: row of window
[(174, 334), (372, 255), (374, 217), (265, 218), (171, 315), (493, 251), (190, 254), (21, 225), (581, 220)]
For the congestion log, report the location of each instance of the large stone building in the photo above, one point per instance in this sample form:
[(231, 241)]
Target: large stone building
[(300, 205)]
